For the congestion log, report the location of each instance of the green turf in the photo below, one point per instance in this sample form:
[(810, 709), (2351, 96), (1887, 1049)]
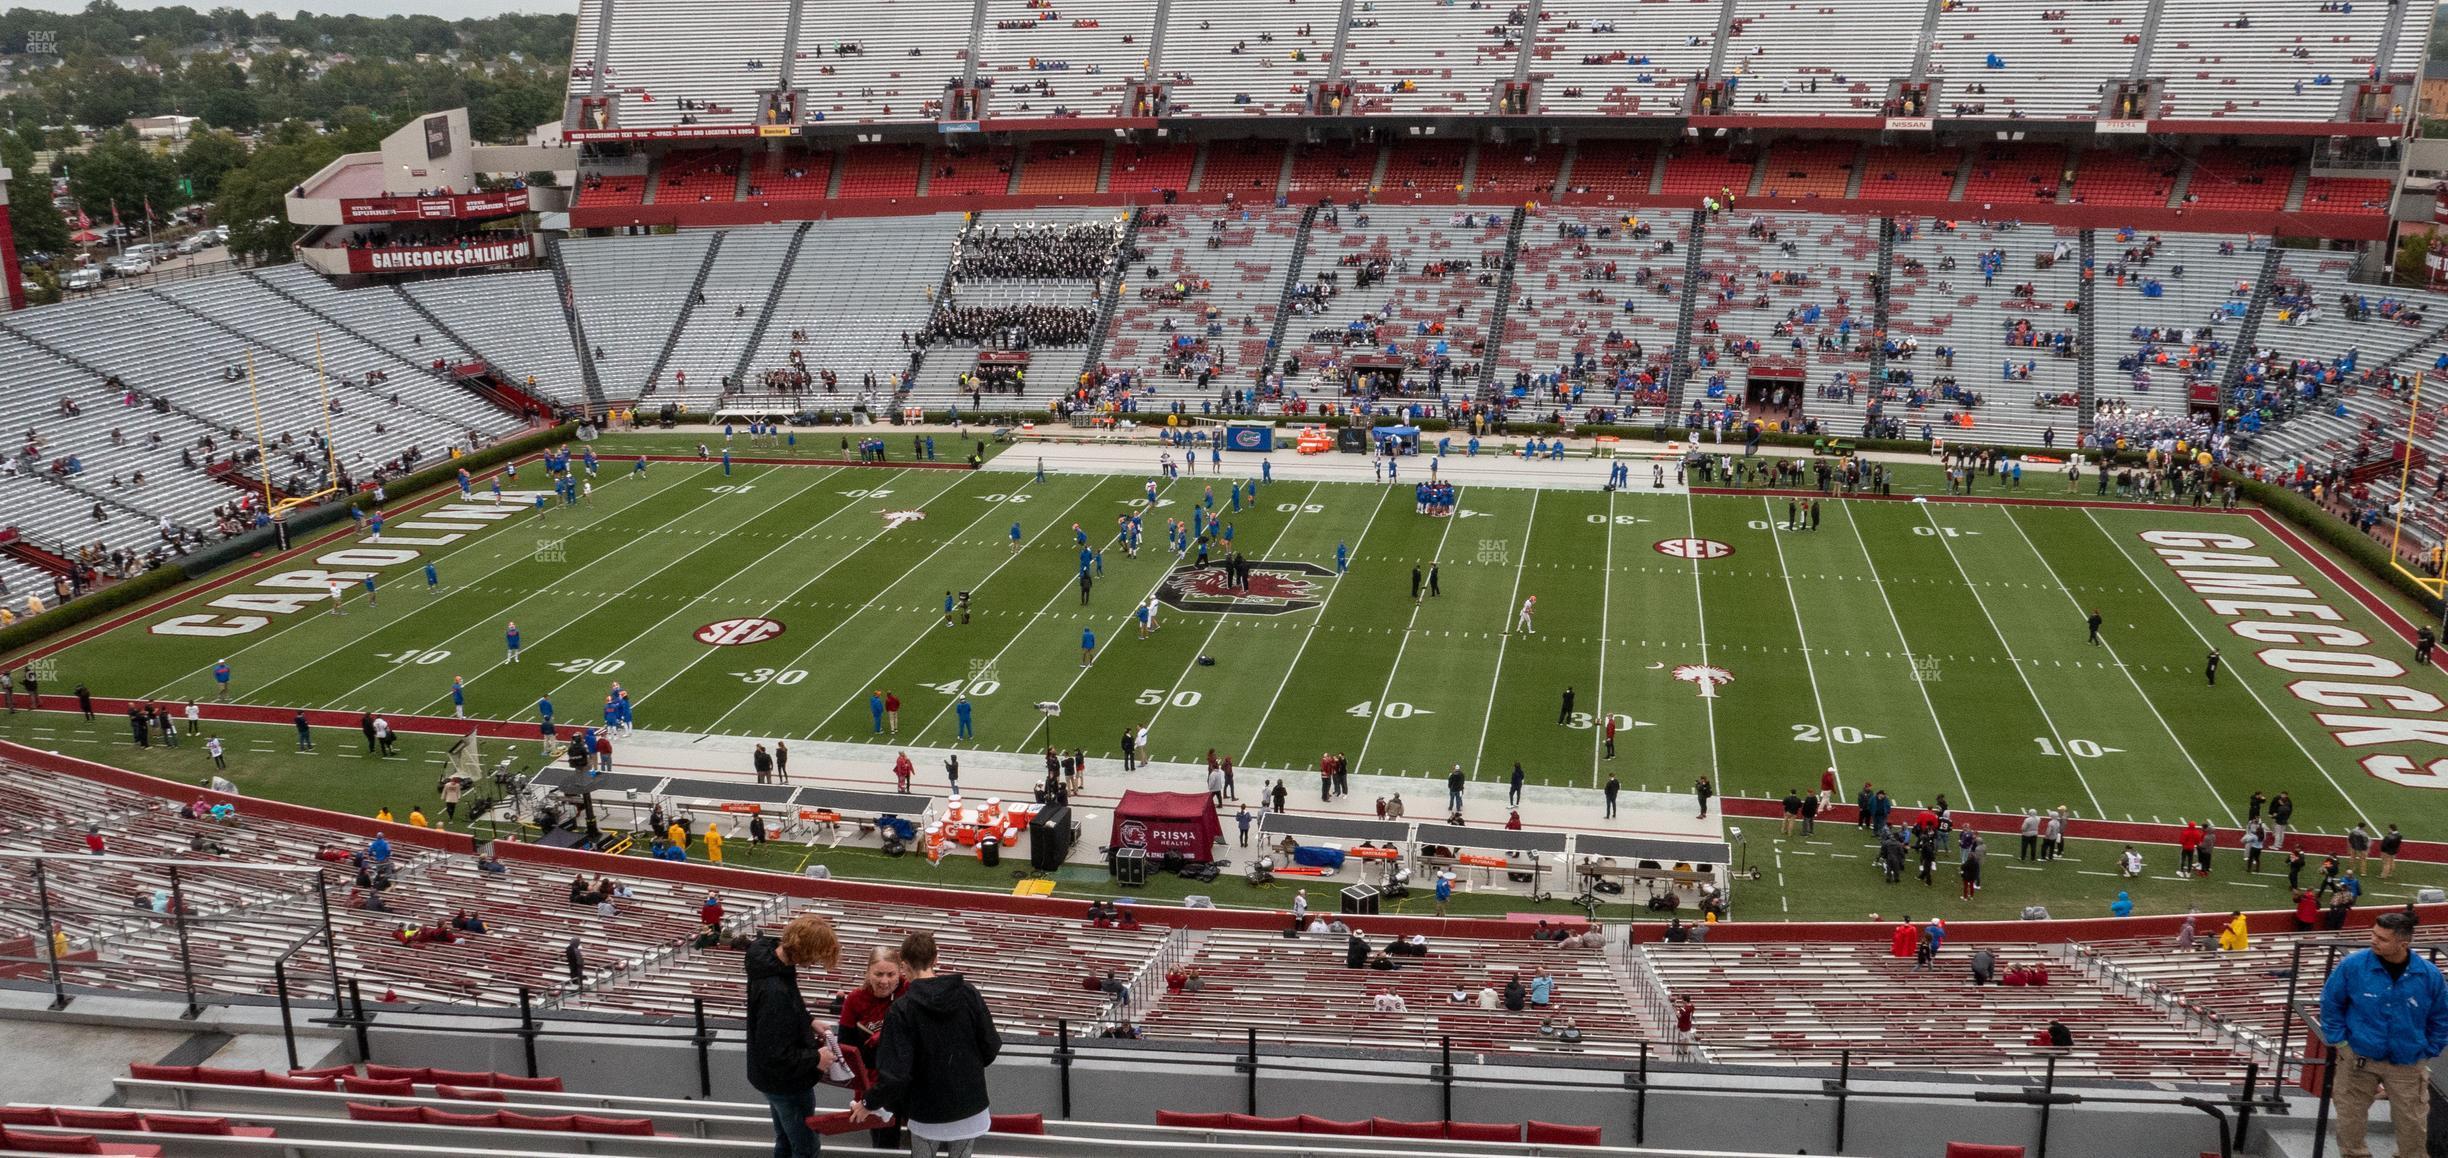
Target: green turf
[(1928, 648)]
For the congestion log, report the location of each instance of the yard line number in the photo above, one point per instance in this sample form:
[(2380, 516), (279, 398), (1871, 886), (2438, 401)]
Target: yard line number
[(2086, 749)]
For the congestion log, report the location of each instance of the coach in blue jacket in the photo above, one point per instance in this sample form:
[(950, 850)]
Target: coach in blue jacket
[(2385, 1013)]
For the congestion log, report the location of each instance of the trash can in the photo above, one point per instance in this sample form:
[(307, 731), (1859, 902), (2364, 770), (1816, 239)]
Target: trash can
[(1360, 899), (990, 851), (1130, 867)]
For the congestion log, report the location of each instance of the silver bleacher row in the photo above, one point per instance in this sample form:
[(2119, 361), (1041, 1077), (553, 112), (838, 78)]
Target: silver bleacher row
[(675, 62)]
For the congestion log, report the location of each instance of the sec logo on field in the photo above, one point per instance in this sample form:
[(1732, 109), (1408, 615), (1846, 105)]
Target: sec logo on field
[(734, 632), (1693, 548)]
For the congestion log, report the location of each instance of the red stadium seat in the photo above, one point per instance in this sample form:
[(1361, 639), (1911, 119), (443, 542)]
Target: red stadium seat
[(1483, 1131), (1254, 1122), (1389, 1128), (1312, 1124), (433, 1117), (1016, 1124), (361, 1112), (1191, 1121), (1553, 1134), (1982, 1150)]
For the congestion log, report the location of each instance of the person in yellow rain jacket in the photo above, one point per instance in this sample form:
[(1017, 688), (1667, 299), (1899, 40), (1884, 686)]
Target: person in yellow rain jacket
[(713, 841)]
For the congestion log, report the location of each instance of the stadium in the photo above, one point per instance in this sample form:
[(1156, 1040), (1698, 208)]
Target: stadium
[(1681, 578)]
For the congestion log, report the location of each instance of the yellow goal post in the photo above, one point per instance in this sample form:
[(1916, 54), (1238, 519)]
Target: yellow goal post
[(2431, 581)]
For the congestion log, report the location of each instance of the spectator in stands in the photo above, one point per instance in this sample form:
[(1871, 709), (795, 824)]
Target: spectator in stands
[(378, 850), (2234, 938), (1388, 1002), (2054, 1036), (862, 1021), (1516, 995), (1984, 966), (930, 1068), (786, 1056), (2385, 1011)]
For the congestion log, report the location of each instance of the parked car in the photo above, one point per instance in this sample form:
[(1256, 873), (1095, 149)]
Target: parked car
[(84, 278)]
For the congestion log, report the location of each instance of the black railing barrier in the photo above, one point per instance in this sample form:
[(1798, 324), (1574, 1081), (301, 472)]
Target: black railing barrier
[(2230, 1110)]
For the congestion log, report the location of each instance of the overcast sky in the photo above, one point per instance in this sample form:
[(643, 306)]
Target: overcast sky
[(450, 9)]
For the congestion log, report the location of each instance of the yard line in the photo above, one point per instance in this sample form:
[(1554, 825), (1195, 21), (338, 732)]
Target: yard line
[(1691, 514), (779, 604), (1162, 574), (676, 561), (2144, 696), (566, 574), (1008, 556), (1802, 637), (2097, 809), (1187, 668), (2150, 580), (1311, 633), (1906, 643), (453, 588), (1606, 629), (1052, 525), (1379, 712), (1496, 678)]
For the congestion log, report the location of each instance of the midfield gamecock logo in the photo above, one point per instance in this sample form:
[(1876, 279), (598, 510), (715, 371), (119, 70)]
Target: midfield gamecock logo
[(1274, 588)]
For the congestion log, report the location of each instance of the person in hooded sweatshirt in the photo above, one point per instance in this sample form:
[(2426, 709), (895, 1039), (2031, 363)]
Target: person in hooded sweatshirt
[(930, 1061), (786, 1058)]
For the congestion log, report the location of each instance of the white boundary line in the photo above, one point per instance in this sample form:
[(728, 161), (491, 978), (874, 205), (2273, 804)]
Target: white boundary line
[(693, 511), (1378, 712), (1052, 526), (2150, 579), (779, 604), (1382, 499), (1495, 678), (1905, 642), (1802, 636), (2139, 693), (1606, 630), (451, 588), (682, 558), (844, 621), (1280, 532), (1127, 616), (1691, 515), (1939, 533)]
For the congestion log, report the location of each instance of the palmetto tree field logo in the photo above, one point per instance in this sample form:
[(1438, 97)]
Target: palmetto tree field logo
[(1707, 677)]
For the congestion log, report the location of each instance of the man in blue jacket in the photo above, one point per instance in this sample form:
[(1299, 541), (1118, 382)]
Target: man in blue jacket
[(2385, 1013)]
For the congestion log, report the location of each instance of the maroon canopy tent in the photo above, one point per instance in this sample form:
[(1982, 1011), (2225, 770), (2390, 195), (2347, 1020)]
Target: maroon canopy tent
[(1167, 822)]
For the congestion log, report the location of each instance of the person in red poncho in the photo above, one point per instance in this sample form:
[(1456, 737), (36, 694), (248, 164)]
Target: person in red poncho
[(862, 1018), (1904, 940)]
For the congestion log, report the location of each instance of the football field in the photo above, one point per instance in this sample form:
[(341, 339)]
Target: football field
[(1927, 647)]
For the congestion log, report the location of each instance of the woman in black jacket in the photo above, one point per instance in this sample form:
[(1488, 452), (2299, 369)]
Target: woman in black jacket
[(930, 1062), (786, 1058)]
